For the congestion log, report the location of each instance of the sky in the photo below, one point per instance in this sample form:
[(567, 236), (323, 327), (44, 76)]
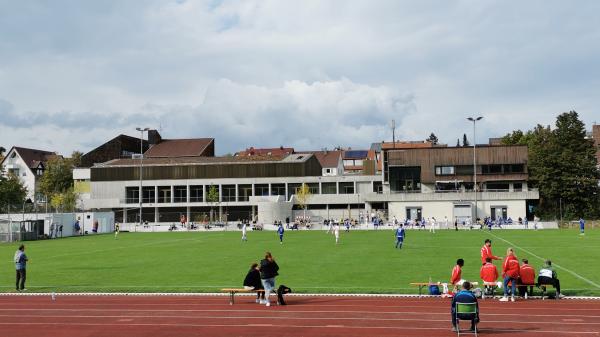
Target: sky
[(306, 74)]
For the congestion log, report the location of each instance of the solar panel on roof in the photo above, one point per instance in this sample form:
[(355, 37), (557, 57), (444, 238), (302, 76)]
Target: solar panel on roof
[(356, 154)]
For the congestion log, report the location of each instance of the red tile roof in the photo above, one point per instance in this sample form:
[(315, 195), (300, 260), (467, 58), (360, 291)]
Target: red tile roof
[(326, 158), (275, 151), (33, 157), (170, 148)]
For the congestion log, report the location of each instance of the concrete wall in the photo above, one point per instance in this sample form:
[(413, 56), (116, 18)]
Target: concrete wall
[(439, 209)]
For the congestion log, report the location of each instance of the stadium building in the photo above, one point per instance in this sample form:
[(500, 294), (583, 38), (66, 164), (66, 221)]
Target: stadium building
[(182, 179)]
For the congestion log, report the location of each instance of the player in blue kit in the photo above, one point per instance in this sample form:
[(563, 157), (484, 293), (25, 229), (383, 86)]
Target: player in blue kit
[(400, 235), (581, 226), (280, 232)]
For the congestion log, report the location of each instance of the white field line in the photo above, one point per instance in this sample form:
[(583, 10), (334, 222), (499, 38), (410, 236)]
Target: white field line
[(543, 259), (288, 326)]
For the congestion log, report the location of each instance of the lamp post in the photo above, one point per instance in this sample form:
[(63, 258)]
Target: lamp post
[(475, 120), (141, 130)]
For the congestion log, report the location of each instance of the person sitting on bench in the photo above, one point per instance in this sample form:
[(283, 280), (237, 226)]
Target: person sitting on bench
[(547, 275), (526, 279), (252, 282), (489, 274), (467, 297)]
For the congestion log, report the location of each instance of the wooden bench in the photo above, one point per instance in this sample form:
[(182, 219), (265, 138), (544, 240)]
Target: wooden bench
[(543, 286), (422, 285), (233, 291)]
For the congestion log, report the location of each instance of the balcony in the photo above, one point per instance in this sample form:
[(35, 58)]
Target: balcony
[(414, 196)]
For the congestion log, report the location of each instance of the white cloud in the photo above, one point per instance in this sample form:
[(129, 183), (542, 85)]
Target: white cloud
[(298, 73)]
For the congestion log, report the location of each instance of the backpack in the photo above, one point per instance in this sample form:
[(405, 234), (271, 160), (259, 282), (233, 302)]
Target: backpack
[(434, 289)]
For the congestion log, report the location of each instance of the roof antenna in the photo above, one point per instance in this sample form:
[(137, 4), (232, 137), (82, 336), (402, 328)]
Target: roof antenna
[(393, 127)]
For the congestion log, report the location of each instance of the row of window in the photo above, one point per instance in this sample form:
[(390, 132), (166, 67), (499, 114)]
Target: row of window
[(485, 169), (227, 193)]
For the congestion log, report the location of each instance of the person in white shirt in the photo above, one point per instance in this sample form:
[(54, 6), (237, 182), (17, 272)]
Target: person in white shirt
[(432, 223), (446, 222), (336, 232), (244, 229)]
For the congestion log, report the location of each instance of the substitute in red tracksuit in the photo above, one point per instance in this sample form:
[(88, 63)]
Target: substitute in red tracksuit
[(489, 274), (526, 278), (486, 251), (510, 272), (457, 273)]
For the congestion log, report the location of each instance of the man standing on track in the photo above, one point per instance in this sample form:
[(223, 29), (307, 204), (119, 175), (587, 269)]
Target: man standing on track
[(400, 234), (486, 251), (280, 232), (21, 266)]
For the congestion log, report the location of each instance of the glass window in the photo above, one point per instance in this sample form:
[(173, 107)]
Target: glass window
[(244, 192), (313, 188), (277, 189), (328, 188), (346, 187), (228, 193), (196, 193), (180, 194), (518, 187), (164, 194), (148, 194), (132, 195), (377, 187), (261, 189), (444, 170)]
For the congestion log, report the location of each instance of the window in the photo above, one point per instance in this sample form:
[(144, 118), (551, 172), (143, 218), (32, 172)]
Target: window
[(180, 193), (277, 189), (261, 189), (464, 170), (497, 186), (328, 188), (14, 171), (514, 168), (444, 170), (164, 194), (196, 193), (132, 195), (244, 192), (378, 187), (228, 193), (518, 187), (328, 170), (491, 169), (148, 194), (313, 188), (348, 162), (346, 188)]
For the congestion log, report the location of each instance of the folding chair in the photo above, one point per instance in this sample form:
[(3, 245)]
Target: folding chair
[(466, 311)]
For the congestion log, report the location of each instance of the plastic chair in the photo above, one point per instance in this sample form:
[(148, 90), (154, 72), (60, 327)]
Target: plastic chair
[(466, 311)]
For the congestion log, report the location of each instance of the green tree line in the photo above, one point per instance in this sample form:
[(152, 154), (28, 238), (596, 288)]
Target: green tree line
[(563, 166)]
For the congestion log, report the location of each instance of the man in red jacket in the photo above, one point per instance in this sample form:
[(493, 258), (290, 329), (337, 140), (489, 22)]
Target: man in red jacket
[(526, 278), (489, 274), (510, 272), (486, 251)]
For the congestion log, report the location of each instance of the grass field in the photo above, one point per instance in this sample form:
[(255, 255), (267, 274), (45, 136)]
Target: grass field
[(364, 261)]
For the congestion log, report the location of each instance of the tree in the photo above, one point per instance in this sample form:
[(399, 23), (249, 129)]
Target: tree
[(212, 197), (12, 191), (2, 150), (433, 139), (64, 201), (465, 140), (57, 182), (457, 142), (562, 165), (76, 158), (302, 196)]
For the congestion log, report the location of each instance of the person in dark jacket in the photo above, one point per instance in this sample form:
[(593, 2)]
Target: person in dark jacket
[(268, 272), (464, 296), (253, 282)]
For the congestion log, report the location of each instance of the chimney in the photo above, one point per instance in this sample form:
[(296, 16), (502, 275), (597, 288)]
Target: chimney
[(154, 137)]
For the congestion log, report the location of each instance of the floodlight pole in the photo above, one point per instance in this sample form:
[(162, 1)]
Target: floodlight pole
[(141, 130), (475, 120)]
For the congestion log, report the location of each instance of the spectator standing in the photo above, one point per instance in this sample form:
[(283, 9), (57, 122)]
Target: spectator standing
[(486, 251), (547, 275), (526, 278), (581, 226), (117, 229), (456, 224), (467, 297), (510, 272), (21, 267), (268, 271), (252, 281)]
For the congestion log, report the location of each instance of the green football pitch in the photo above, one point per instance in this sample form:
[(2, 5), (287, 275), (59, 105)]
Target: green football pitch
[(310, 261)]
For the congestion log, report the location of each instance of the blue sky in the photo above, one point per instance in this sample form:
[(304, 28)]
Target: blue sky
[(308, 74)]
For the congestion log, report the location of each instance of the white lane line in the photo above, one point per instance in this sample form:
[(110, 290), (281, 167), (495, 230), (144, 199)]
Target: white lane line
[(554, 264), (180, 325), (353, 319)]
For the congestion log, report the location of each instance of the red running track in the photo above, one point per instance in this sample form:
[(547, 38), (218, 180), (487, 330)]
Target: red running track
[(162, 316)]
